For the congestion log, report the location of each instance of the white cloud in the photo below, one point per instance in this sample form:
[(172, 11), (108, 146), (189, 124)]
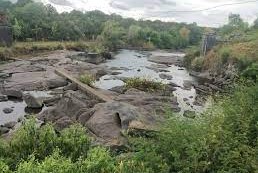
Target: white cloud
[(165, 9)]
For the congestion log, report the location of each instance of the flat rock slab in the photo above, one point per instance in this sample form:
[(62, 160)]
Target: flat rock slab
[(168, 60), (38, 73)]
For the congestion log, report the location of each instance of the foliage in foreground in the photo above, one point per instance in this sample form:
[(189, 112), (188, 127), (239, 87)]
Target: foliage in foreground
[(224, 139)]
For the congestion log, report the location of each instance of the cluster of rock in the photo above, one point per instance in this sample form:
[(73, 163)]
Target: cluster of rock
[(130, 111), (94, 58), (212, 82)]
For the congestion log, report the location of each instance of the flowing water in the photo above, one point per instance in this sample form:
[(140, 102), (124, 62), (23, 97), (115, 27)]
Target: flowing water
[(130, 63), (19, 107)]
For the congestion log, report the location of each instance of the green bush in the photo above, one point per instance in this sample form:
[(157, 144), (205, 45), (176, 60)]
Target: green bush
[(74, 142), (144, 84), (87, 79), (98, 160), (25, 140), (225, 55), (197, 64), (4, 168), (251, 72), (47, 141), (55, 163)]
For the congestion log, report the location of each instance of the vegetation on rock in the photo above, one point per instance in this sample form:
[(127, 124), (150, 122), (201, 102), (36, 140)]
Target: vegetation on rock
[(144, 84)]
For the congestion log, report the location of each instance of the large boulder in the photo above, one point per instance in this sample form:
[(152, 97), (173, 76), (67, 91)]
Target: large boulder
[(12, 93), (93, 58), (56, 83), (71, 106), (111, 118), (32, 101), (3, 98)]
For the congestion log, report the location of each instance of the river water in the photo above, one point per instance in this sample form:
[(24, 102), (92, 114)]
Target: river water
[(127, 63), (130, 63)]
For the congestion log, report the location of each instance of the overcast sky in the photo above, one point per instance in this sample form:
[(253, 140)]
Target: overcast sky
[(165, 9)]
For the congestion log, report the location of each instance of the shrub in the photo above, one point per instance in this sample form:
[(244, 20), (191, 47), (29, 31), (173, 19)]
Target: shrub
[(55, 163), (132, 166), (4, 168), (74, 142), (191, 54), (87, 79), (76, 46), (225, 55), (25, 140), (98, 161), (47, 141), (251, 72), (197, 64), (144, 84)]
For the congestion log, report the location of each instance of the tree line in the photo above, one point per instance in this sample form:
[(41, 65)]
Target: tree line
[(38, 22)]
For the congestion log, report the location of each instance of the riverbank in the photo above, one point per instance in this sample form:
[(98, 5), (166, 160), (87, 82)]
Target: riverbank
[(27, 49)]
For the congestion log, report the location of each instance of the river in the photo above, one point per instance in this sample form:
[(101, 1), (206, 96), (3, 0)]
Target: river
[(131, 63)]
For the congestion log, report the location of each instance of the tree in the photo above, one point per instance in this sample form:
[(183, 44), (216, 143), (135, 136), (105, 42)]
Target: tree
[(23, 2), (17, 29), (256, 23), (133, 34), (112, 34), (235, 24)]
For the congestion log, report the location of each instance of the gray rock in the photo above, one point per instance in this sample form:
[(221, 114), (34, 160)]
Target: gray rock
[(51, 101), (189, 114), (20, 119), (7, 110), (119, 68), (32, 101), (168, 60), (4, 75), (118, 89), (109, 119), (3, 98), (62, 123), (4, 130), (72, 105), (173, 84), (71, 86), (56, 83), (116, 73), (164, 70), (165, 76), (100, 73), (185, 99), (95, 58), (10, 125), (187, 84), (13, 93)]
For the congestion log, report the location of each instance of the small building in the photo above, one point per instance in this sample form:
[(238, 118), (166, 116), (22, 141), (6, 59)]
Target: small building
[(208, 42), (6, 37)]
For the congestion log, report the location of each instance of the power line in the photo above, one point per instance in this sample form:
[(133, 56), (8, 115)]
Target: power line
[(205, 9)]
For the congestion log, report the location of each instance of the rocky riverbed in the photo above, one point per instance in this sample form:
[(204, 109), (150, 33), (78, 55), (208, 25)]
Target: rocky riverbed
[(31, 86)]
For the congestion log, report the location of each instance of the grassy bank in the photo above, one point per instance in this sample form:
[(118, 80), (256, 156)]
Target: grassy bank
[(28, 48), (243, 54)]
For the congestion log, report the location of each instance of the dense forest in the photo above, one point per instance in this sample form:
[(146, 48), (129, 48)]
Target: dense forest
[(35, 22)]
